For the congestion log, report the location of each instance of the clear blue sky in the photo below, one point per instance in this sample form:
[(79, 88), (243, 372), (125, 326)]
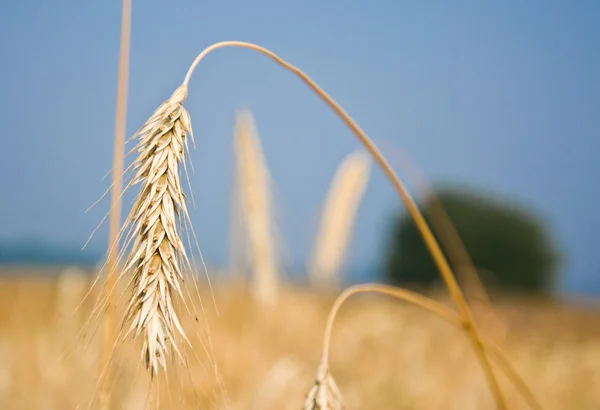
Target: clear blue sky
[(505, 96)]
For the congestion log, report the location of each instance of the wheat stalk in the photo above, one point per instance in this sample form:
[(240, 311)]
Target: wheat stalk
[(115, 201), (443, 266), (437, 309), (157, 318), (254, 193), (337, 218), (454, 246), (158, 256)]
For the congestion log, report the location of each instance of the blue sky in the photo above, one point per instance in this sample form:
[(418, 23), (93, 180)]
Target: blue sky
[(503, 96)]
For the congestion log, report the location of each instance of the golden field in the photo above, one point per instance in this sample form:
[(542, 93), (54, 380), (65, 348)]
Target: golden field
[(385, 354)]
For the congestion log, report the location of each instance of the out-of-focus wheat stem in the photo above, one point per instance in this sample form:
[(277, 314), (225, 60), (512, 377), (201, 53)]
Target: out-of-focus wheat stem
[(455, 248), (437, 309), (432, 244), (115, 202)]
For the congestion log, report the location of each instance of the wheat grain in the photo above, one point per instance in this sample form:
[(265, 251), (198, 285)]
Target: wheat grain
[(158, 255)]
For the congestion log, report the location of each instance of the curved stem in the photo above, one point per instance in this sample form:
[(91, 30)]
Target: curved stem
[(432, 244), (450, 239), (399, 293), (437, 309)]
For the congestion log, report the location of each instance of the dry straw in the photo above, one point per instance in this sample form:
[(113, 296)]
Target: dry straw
[(337, 219), (158, 253), (115, 200), (254, 193)]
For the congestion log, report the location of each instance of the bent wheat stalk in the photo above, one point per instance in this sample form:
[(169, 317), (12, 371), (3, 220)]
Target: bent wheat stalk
[(156, 268), (437, 309), (432, 244), (457, 252), (115, 201)]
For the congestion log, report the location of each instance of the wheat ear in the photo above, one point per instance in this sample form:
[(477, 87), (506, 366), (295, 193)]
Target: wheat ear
[(158, 256), (443, 266), (337, 219), (324, 393), (252, 180)]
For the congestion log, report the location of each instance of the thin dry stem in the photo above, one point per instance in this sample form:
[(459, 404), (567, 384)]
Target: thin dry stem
[(115, 202), (463, 264), (454, 246), (437, 309), (432, 244)]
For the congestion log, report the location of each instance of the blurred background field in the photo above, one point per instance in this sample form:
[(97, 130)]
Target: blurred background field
[(386, 354)]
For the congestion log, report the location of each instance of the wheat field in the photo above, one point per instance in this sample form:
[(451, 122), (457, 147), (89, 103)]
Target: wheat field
[(385, 354)]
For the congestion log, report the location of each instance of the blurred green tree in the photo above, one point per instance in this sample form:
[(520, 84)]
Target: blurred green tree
[(508, 245)]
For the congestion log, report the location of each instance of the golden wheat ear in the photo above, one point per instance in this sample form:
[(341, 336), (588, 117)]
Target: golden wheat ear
[(254, 192), (337, 220), (157, 257), (324, 393)]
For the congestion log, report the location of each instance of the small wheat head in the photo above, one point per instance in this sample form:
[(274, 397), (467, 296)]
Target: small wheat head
[(324, 393), (158, 256)]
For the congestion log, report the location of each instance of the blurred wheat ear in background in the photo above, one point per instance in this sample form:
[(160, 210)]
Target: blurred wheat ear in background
[(254, 193), (337, 219)]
